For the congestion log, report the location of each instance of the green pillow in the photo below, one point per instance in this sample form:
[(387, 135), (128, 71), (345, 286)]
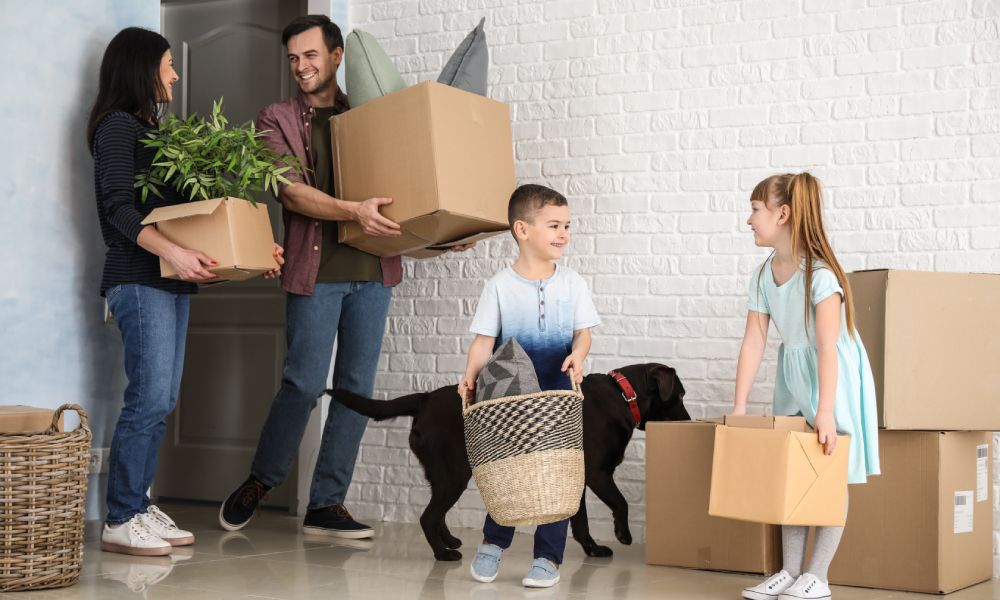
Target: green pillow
[(370, 74), (468, 67)]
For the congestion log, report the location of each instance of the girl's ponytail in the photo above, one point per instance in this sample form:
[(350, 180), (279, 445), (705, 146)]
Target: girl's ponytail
[(809, 238)]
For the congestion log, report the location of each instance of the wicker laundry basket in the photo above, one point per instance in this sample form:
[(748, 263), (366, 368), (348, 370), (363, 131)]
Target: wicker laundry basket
[(526, 454), (43, 489)]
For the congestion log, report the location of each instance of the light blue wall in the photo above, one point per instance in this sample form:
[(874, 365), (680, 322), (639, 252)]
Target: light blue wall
[(54, 345)]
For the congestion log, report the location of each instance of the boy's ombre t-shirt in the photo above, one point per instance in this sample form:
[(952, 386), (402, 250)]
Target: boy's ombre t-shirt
[(542, 315)]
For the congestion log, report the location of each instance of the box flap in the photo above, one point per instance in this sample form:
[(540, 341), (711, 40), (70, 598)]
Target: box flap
[(783, 423), (179, 211), (826, 494)]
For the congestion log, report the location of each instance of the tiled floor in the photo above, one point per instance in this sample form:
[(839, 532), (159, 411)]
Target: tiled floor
[(273, 559)]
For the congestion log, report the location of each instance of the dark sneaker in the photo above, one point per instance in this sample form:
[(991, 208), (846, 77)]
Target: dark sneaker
[(239, 507), (335, 521)]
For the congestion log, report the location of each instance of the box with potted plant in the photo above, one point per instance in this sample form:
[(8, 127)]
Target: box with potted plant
[(218, 167)]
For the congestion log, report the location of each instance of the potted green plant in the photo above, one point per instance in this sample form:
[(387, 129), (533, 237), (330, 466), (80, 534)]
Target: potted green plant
[(223, 166), (206, 158)]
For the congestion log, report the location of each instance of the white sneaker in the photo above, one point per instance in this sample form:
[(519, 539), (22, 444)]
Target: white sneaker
[(807, 587), (770, 588), (133, 537), (164, 527)]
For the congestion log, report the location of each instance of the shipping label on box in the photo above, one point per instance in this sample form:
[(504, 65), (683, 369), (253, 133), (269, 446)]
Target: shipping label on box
[(918, 526)]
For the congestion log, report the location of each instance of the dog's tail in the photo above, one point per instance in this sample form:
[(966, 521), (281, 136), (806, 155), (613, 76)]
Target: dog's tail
[(380, 410)]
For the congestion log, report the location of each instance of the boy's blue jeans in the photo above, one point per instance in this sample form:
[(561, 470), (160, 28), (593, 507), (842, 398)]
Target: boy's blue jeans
[(550, 539), (354, 314), (153, 325)]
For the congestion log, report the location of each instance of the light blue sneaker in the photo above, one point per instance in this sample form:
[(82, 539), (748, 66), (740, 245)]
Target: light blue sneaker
[(486, 564), (544, 573)]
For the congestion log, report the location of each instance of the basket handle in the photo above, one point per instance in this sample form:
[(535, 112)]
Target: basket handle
[(465, 396), (84, 419)]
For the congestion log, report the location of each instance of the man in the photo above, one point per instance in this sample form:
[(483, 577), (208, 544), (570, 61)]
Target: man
[(331, 289)]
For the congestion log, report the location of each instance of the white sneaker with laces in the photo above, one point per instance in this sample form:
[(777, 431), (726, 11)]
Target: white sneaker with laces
[(807, 587), (770, 588), (133, 537), (164, 527)]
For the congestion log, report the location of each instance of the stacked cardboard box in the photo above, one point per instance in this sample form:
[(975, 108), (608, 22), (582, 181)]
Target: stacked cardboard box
[(924, 524)]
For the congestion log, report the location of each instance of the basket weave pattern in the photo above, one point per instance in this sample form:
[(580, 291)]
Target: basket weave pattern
[(526, 454), (43, 490)]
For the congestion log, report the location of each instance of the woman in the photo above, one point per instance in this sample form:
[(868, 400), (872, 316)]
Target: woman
[(136, 80)]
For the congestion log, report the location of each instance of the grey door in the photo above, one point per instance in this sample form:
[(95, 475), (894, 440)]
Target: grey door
[(227, 49)]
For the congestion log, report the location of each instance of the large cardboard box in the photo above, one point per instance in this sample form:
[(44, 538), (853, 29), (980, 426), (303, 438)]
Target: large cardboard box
[(679, 530), (777, 476), (231, 231), (444, 156), (26, 419), (925, 524), (933, 345)]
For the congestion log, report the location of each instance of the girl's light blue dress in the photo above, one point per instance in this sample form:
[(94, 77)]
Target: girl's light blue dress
[(796, 387)]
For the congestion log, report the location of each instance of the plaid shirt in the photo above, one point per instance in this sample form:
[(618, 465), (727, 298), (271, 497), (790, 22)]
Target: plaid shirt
[(289, 125)]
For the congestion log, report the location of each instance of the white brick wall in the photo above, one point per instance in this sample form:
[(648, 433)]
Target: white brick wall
[(656, 119)]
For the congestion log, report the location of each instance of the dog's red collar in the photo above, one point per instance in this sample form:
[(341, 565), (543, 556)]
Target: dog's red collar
[(628, 393)]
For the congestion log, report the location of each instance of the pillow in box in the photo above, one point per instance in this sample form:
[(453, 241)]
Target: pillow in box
[(509, 372), (370, 74), (468, 67)]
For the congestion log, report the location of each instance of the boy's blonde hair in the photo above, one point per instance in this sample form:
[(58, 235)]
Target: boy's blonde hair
[(802, 194)]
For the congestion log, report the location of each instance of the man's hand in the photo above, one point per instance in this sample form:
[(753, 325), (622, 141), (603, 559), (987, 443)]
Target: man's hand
[(372, 221), (576, 363), (462, 247), (190, 264), (279, 257), (826, 432)]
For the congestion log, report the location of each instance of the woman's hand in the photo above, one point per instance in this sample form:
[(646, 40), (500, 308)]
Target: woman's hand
[(739, 409), (826, 432), (279, 257), (576, 363), (190, 264)]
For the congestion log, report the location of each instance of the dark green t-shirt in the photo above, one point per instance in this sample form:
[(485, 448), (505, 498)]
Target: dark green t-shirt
[(338, 262)]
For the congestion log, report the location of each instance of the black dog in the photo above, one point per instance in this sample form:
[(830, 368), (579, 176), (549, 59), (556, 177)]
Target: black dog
[(437, 439)]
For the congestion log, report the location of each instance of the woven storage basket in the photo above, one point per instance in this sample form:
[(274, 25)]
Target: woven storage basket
[(526, 454), (43, 488)]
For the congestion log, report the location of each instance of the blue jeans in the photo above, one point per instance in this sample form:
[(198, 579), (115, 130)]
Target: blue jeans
[(356, 312), (153, 324), (550, 539)]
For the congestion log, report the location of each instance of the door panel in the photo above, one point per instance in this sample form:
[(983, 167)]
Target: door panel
[(227, 49)]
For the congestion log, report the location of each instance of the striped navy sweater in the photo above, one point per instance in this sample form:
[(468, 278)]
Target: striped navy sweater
[(118, 157)]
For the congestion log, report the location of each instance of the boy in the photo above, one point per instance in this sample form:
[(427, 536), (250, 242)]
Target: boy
[(549, 311)]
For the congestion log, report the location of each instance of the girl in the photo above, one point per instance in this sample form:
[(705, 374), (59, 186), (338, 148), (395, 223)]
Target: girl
[(823, 371), (136, 78)]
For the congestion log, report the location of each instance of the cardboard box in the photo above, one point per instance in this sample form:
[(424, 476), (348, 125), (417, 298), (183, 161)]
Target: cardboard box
[(231, 231), (26, 419), (679, 530), (932, 341), (925, 524), (777, 476), (444, 156)]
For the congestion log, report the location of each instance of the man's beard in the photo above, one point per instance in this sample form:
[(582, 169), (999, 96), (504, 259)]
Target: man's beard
[(320, 85)]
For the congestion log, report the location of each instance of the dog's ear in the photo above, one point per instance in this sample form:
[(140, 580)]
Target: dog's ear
[(670, 406), (666, 381)]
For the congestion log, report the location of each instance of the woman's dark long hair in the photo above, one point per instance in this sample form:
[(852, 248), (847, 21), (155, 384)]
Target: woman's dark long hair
[(130, 77)]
